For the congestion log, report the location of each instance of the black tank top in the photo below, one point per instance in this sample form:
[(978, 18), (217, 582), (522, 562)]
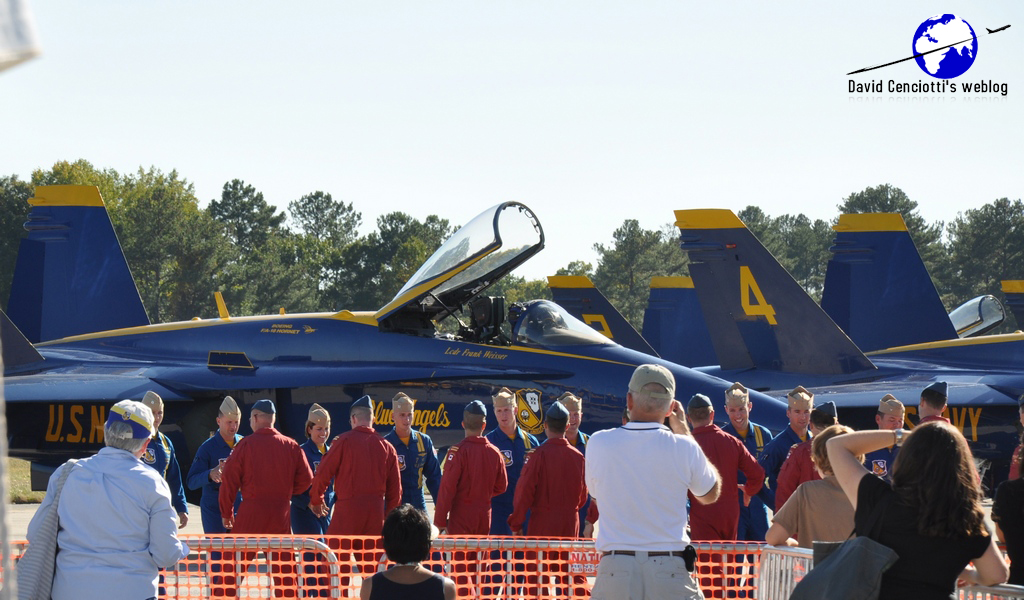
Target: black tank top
[(428, 589)]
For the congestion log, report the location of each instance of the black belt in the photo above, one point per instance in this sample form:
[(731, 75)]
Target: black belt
[(676, 553), (689, 555)]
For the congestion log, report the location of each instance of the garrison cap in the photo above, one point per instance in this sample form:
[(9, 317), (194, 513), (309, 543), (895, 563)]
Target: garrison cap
[(135, 414), (363, 402), (265, 406), (503, 398), (800, 398), (889, 405), (319, 416), (475, 407), (229, 408), (939, 387), (153, 401), (557, 410), (645, 374), (829, 408), (402, 401), (571, 402), (698, 401), (737, 395)]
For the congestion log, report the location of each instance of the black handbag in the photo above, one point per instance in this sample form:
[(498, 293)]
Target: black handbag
[(850, 570)]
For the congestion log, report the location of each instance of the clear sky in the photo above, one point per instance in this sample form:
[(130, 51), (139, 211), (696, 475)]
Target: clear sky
[(590, 112)]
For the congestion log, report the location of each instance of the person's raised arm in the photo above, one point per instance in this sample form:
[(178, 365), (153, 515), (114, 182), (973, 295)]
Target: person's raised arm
[(843, 451), (990, 569)]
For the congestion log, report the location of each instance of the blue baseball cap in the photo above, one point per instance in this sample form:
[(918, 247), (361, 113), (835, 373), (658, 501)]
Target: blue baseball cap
[(698, 401), (265, 406), (476, 407)]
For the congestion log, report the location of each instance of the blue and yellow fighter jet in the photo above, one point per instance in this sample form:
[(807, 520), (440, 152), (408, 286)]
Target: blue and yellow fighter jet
[(768, 333), (78, 339)]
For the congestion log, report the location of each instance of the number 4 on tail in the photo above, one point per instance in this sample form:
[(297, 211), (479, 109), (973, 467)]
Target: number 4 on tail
[(748, 288)]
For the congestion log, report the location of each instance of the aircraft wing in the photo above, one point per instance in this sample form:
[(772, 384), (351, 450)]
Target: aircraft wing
[(85, 384)]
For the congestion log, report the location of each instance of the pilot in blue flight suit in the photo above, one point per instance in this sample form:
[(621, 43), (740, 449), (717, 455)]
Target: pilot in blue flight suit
[(889, 416), (209, 462), (753, 523), (417, 460), (318, 431), (160, 455), (514, 444), (801, 402)]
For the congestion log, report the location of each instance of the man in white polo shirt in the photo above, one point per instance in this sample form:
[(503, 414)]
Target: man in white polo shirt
[(640, 474)]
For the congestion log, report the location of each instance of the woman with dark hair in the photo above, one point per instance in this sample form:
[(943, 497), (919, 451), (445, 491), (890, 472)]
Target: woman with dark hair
[(406, 535), (930, 515), (1008, 513)]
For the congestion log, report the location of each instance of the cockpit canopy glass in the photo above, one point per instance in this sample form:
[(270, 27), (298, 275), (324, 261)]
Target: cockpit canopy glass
[(544, 323), (477, 255)]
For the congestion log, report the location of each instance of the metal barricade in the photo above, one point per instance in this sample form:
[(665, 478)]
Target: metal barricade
[(780, 570)]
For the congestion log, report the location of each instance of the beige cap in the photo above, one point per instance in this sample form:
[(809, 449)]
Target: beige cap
[(800, 398), (319, 415), (229, 408), (889, 405), (402, 402), (645, 374), (737, 395), (153, 401), (571, 402), (504, 398)]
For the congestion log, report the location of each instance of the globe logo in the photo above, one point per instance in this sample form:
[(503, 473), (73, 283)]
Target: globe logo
[(945, 30)]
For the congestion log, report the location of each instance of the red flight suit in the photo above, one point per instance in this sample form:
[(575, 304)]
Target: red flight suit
[(269, 468), (552, 488), (367, 483), (474, 472), (720, 520), (932, 418), (797, 469)]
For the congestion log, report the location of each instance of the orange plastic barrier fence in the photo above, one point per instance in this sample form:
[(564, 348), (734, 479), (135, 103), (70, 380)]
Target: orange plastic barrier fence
[(487, 568)]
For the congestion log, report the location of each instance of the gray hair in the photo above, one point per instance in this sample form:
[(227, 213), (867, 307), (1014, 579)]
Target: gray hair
[(119, 434)]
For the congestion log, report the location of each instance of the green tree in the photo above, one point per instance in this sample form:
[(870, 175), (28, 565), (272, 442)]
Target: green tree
[(372, 269), (577, 267), (986, 246), (249, 219), (14, 195), (625, 268)]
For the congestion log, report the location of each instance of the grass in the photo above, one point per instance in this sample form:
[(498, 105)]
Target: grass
[(20, 483)]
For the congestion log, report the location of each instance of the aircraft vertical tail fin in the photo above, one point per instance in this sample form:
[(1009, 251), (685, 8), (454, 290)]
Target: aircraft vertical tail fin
[(758, 315), (877, 288), (71, 276), (674, 325), (577, 294), (1013, 290)]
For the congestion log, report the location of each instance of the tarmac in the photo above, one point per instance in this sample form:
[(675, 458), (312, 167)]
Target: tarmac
[(19, 515)]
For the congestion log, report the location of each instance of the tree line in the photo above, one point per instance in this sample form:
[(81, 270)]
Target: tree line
[(311, 257)]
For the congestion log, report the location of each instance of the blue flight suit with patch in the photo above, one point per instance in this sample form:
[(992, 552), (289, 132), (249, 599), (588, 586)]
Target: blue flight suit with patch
[(753, 523), (581, 445), (513, 451), (207, 457), (416, 462), (775, 453), (303, 519), (160, 455), (880, 462)]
